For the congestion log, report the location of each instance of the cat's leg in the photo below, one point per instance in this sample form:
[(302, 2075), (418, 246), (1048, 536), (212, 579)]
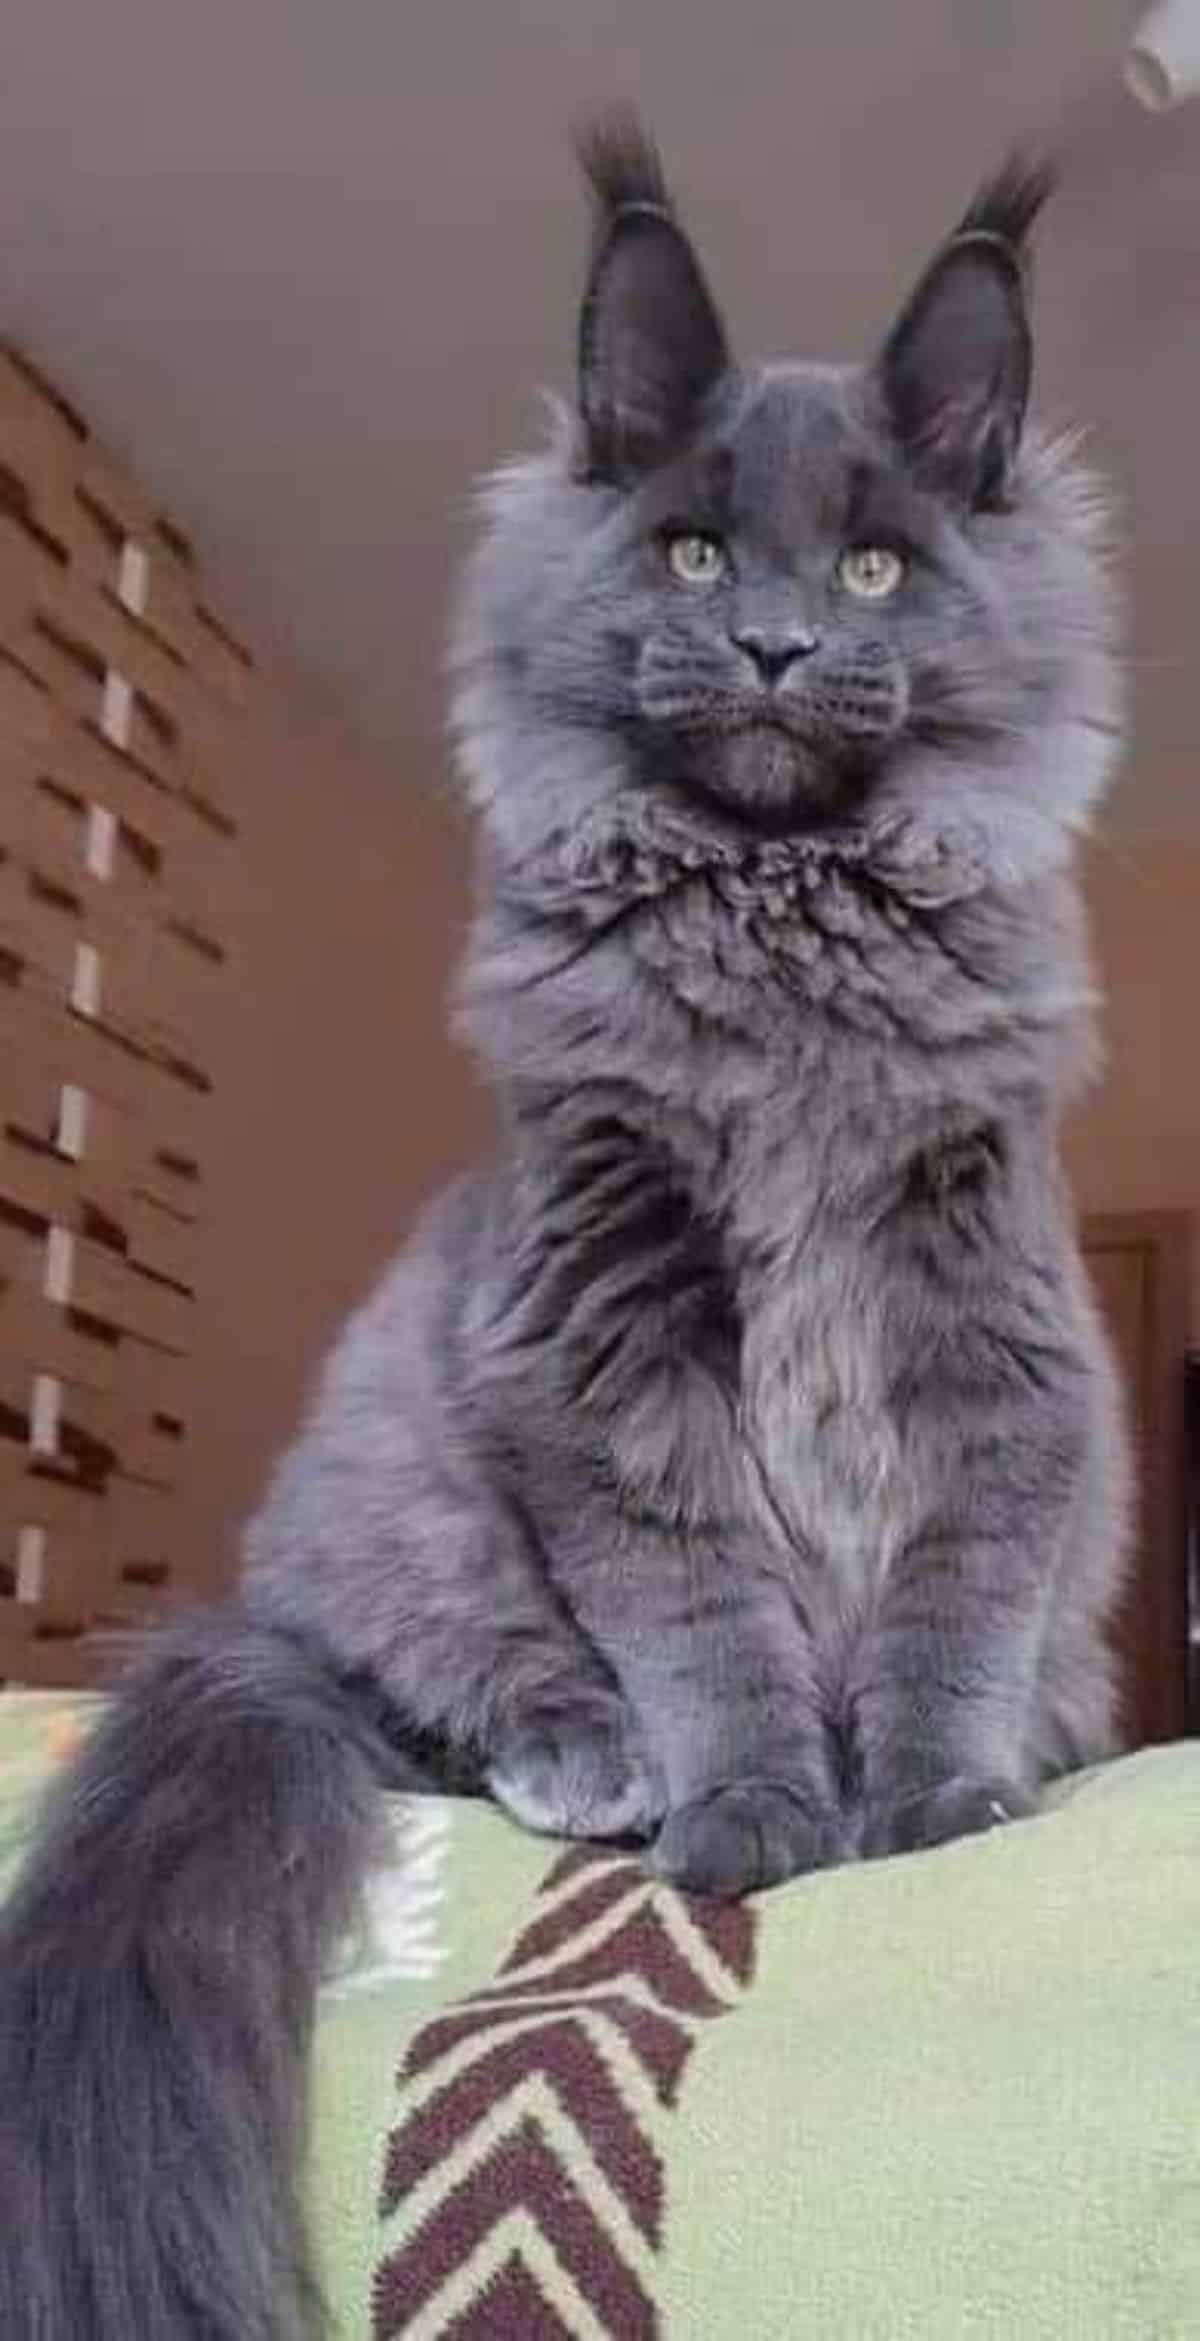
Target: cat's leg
[(449, 1613), (572, 1762), (945, 1689), (946, 1681), (742, 1835), (1076, 1716), (751, 1797), (707, 1637), (421, 1581)]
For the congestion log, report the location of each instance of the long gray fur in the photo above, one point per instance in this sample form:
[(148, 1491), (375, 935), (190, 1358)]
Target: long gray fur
[(735, 1462)]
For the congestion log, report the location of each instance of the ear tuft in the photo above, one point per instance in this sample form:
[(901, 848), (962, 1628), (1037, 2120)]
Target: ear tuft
[(621, 163), (1007, 205)]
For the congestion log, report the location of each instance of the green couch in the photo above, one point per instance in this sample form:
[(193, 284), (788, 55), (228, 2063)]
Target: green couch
[(949, 2098)]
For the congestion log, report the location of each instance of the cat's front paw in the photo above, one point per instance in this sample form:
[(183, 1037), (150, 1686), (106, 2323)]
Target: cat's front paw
[(734, 1840), (959, 1807), (577, 1771)]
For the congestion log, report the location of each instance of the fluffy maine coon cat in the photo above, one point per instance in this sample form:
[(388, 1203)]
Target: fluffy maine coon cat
[(733, 1463)]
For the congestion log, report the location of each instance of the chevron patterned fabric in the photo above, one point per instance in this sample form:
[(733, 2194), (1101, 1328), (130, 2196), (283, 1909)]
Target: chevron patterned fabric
[(958, 2093)]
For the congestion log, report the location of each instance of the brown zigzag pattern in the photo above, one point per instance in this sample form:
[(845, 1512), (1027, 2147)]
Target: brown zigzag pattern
[(513, 2305), (600, 1976)]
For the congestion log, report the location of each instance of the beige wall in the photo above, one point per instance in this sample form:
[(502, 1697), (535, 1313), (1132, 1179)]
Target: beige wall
[(340, 1101)]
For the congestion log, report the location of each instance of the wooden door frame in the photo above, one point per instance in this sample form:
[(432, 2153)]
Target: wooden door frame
[(1166, 1239)]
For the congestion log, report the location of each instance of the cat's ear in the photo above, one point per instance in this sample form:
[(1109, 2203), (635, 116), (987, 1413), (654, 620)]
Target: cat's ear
[(651, 343), (956, 366)]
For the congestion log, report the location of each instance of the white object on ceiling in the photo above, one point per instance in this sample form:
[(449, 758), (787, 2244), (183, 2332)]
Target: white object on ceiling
[(1162, 63)]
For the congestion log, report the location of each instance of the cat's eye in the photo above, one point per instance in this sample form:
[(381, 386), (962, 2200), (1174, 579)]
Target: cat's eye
[(695, 559), (870, 571)]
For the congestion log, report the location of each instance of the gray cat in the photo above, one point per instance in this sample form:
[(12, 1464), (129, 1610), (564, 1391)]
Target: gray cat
[(735, 1464)]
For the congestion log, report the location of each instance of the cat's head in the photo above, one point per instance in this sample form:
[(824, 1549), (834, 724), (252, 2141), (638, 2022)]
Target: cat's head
[(850, 602)]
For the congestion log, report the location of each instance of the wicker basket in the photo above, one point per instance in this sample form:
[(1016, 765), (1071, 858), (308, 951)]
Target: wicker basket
[(122, 724)]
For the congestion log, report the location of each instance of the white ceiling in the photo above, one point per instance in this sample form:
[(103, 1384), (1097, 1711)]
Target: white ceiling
[(305, 262)]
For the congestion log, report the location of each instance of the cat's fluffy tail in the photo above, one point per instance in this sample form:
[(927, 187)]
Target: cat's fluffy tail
[(158, 1970)]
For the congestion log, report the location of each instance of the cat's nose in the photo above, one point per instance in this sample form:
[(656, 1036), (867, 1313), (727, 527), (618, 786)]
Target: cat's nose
[(775, 648)]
